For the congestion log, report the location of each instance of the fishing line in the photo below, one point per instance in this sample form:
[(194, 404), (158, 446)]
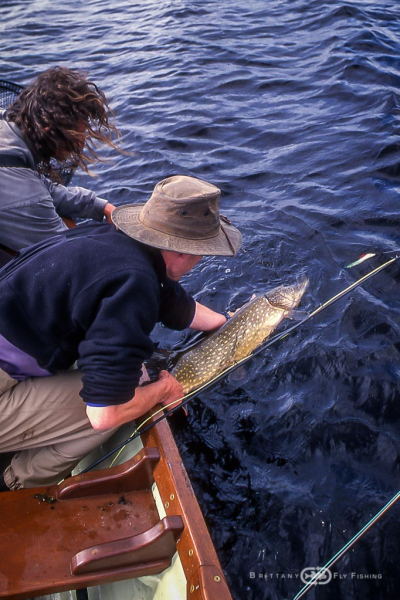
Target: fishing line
[(322, 572), (182, 401)]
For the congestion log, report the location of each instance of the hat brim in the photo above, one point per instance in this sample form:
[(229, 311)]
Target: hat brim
[(226, 243)]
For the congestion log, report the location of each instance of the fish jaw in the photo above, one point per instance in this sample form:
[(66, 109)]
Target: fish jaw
[(287, 297)]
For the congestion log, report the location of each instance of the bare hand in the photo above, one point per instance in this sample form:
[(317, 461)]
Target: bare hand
[(174, 389), (107, 211)]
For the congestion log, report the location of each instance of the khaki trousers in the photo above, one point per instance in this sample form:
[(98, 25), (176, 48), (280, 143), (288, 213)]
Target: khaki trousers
[(44, 420)]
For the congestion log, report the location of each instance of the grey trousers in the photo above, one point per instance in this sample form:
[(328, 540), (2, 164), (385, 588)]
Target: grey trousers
[(44, 420)]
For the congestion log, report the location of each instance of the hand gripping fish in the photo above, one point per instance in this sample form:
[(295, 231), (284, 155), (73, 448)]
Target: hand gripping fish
[(237, 338)]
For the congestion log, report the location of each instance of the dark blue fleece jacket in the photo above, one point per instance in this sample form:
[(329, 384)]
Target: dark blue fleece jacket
[(92, 295)]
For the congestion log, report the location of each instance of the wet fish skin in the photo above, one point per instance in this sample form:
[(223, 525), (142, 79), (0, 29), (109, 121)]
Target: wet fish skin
[(244, 332)]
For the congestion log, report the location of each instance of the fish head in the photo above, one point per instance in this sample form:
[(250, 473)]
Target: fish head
[(287, 297)]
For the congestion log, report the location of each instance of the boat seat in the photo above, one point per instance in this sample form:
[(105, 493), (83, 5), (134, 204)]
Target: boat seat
[(94, 528)]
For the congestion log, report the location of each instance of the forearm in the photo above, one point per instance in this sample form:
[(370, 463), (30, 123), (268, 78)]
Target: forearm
[(166, 389), (206, 319), (76, 202)]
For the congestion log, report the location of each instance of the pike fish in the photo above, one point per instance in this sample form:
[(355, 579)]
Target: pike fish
[(249, 327)]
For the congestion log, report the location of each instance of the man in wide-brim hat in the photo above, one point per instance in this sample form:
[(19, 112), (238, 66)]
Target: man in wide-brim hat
[(93, 296)]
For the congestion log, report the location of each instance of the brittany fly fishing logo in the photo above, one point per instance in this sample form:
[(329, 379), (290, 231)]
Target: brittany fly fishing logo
[(315, 576)]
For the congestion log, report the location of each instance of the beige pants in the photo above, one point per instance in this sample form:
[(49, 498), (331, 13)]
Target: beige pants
[(44, 420)]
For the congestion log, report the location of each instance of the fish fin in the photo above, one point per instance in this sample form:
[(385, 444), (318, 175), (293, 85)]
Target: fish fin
[(192, 338), (182, 347), (238, 374), (158, 361), (297, 315)]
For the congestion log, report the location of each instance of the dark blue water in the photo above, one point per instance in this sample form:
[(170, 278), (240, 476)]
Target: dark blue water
[(292, 109)]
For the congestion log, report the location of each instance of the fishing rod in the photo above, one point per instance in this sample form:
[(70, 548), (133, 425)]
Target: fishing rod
[(182, 401), (323, 572)]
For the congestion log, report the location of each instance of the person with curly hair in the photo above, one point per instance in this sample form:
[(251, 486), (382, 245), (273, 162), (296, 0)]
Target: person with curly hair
[(53, 124)]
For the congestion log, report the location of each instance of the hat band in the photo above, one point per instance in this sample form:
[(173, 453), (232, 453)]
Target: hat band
[(186, 233)]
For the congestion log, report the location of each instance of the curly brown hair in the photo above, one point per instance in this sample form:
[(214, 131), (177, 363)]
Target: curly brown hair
[(62, 115)]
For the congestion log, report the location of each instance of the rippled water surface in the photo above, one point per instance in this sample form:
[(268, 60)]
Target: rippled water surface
[(291, 107)]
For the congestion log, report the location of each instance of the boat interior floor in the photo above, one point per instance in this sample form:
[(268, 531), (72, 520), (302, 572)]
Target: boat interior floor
[(46, 531)]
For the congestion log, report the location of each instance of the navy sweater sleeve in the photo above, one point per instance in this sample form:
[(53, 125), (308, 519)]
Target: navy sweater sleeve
[(177, 307), (118, 339)]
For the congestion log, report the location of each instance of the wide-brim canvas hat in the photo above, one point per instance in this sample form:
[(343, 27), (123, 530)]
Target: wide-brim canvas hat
[(182, 215)]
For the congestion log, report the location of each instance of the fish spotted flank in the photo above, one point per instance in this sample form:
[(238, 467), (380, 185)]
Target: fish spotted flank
[(237, 338)]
